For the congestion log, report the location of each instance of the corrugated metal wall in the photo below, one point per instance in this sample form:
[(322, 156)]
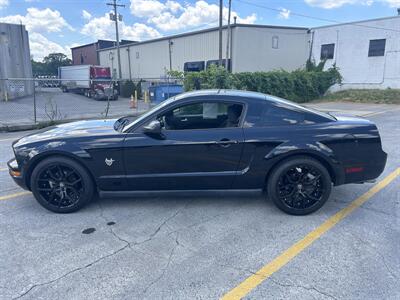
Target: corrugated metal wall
[(267, 49), (252, 51)]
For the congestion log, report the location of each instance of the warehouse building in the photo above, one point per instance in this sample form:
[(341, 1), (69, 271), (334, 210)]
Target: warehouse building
[(252, 48), (15, 61), (88, 55), (367, 53)]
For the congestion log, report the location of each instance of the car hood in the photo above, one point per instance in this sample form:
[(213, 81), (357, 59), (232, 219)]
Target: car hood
[(70, 130)]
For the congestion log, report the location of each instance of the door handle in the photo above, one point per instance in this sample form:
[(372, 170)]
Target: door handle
[(226, 142)]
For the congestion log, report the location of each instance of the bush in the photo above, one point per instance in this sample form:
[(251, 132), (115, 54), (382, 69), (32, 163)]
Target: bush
[(299, 85), (127, 88)]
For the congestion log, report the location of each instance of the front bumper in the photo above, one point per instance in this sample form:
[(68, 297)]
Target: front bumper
[(16, 173)]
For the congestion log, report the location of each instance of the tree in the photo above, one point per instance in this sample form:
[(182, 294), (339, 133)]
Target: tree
[(55, 60), (50, 64)]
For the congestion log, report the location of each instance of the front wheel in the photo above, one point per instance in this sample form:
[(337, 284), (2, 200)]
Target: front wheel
[(299, 186), (61, 185)]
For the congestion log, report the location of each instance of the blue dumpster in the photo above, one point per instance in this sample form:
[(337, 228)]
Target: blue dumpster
[(159, 93)]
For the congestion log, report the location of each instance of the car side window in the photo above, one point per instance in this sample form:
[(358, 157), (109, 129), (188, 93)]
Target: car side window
[(203, 115), (277, 115)]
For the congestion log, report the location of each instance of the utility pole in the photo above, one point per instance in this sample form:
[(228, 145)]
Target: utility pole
[(221, 4), (228, 35), (115, 18)]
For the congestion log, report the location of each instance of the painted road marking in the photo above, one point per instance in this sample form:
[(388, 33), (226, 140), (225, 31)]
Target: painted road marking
[(10, 196), (9, 139), (379, 112), (270, 268), (3, 169)]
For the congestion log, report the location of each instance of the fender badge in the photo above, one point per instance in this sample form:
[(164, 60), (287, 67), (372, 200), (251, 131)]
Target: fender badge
[(109, 162)]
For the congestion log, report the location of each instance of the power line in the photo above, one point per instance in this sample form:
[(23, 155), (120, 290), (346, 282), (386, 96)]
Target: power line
[(317, 18)]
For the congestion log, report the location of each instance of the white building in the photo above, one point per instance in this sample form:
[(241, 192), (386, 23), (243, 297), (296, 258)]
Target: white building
[(367, 53), (252, 48)]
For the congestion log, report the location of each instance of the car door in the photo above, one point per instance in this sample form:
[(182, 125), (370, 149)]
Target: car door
[(194, 152)]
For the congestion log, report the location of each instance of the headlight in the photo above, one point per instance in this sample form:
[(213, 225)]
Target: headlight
[(13, 164)]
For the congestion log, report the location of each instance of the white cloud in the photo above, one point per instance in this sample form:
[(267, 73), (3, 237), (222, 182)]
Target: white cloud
[(4, 3), (41, 46), (86, 15), (284, 13), (103, 28), (36, 20), (146, 8), (329, 4), (392, 3), (170, 15)]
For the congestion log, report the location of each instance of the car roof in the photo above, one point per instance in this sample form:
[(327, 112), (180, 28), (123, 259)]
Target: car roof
[(221, 93)]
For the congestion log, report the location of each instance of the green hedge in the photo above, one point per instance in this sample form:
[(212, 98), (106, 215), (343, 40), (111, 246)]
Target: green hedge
[(128, 89), (299, 85)]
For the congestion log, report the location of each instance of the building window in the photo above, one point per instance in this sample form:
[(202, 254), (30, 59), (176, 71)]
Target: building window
[(327, 51), (275, 42), (216, 63), (194, 66), (377, 47)]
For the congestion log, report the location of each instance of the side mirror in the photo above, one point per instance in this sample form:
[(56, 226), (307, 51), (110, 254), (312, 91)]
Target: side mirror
[(153, 129)]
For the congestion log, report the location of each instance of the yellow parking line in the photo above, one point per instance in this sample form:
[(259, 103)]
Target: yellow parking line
[(10, 196), (270, 268), (3, 169)]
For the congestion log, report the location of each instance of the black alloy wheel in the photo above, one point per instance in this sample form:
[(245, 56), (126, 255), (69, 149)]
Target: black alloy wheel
[(61, 185), (300, 186)]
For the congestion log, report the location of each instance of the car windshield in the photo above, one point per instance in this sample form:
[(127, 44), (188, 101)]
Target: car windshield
[(123, 124)]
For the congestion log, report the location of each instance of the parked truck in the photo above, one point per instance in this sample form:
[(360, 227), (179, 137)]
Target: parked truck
[(92, 81)]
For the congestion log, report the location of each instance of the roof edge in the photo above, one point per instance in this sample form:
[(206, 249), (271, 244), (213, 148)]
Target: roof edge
[(190, 33)]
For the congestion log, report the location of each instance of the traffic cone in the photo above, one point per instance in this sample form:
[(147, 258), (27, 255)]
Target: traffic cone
[(132, 102)]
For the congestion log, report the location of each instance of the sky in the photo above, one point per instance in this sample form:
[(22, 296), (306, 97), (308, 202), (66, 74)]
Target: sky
[(58, 25)]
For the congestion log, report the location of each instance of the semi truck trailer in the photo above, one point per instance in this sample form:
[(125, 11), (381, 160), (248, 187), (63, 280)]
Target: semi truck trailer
[(92, 81)]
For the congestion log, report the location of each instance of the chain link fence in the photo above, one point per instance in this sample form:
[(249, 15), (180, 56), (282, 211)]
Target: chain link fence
[(48, 100)]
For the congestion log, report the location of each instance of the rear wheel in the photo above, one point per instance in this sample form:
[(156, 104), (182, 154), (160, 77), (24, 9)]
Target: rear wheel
[(61, 185), (299, 186)]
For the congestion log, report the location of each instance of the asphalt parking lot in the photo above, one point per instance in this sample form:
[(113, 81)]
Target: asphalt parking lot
[(191, 247)]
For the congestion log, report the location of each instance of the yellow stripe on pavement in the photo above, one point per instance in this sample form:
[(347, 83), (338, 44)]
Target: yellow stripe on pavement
[(266, 271), (3, 169), (10, 196)]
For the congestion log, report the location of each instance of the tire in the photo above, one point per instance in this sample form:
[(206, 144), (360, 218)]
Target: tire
[(299, 185), (61, 185)]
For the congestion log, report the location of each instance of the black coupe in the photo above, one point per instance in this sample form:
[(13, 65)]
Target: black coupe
[(210, 140)]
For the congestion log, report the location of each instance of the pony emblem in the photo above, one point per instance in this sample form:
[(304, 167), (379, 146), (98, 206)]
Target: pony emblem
[(109, 162)]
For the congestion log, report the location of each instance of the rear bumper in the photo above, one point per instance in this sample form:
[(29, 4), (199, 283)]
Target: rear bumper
[(16, 173), (367, 171)]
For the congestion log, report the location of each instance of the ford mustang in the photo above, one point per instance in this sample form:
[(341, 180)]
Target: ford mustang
[(210, 140)]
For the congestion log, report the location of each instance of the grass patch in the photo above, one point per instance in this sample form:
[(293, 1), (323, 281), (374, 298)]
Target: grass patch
[(388, 96)]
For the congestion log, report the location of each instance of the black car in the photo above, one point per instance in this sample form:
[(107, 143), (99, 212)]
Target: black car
[(201, 141)]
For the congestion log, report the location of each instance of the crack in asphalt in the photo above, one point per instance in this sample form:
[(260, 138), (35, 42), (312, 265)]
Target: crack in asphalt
[(127, 245), (374, 249), (70, 272), (177, 244), (308, 288)]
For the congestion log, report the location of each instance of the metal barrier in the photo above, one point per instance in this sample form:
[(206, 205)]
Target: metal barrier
[(51, 100)]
